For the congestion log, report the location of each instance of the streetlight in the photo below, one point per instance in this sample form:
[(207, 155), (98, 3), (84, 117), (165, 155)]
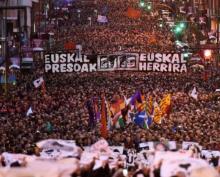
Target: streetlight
[(207, 53), (142, 3), (182, 25), (149, 7), (178, 29)]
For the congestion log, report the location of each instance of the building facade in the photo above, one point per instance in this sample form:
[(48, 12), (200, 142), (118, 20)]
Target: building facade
[(213, 7), (15, 18)]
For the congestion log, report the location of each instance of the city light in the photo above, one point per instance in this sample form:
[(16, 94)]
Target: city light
[(142, 3), (185, 55), (182, 25), (207, 53), (178, 29), (149, 7)]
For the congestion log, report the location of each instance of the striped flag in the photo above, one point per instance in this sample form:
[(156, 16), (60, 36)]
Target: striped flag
[(165, 104), (140, 106), (109, 115), (103, 128), (149, 106), (127, 101), (120, 123), (157, 114), (116, 117)]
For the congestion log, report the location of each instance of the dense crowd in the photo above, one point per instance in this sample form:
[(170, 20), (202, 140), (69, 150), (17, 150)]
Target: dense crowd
[(120, 33), (62, 113), (59, 109)]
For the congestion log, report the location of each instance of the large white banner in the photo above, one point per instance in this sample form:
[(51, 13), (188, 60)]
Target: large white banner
[(149, 62), (160, 62), (67, 63)]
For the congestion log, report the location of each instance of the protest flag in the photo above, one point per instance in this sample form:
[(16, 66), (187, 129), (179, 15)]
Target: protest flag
[(157, 117), (152, 39), (136, 98), (119, 110), (70, 45), (143, 120), (102, 19), (133, 13), (140, 106), (29, 112), (149, 121), (109, 115), (116, 117), (165, 104), (38, 82), (103, 128), (120, 122), (194, 94), (149, 106), (117, 104), (127, 101)]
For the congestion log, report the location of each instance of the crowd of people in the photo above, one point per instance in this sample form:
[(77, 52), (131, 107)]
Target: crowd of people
[(64, 158), (62, 113), (58, 110), (119, 33)]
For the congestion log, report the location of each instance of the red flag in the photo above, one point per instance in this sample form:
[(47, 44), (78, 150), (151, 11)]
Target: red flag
[(117, 105), (133, 13), (165, 104), (103, 129), (69, 45), (152, 39)]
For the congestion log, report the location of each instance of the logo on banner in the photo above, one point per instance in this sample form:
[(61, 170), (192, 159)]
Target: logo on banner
[(127, 61)]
